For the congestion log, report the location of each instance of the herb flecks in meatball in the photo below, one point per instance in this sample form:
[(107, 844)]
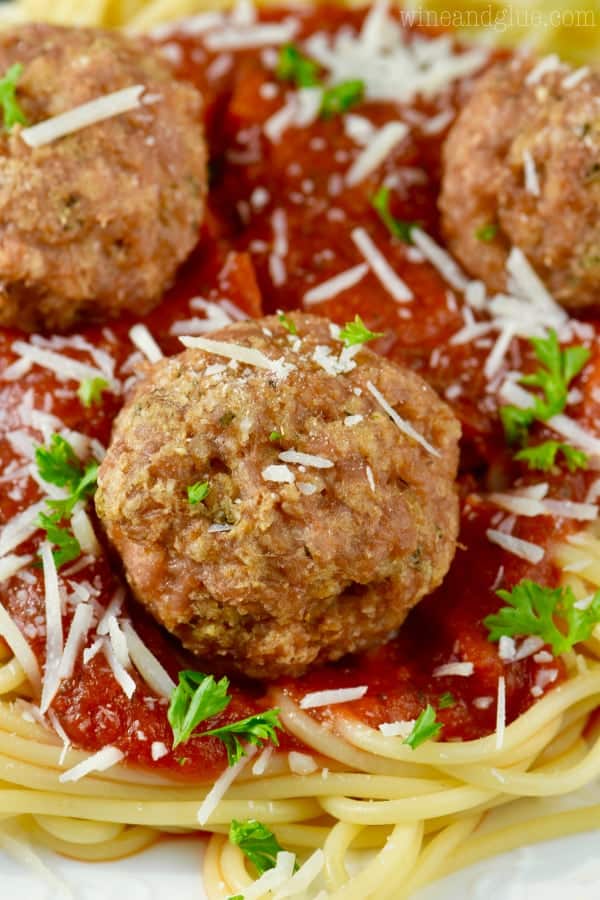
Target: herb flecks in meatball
[(275, 516), (521, 168), (96, 222)]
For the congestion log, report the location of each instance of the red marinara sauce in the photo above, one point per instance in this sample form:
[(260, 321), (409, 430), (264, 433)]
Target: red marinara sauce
[(251, 179)]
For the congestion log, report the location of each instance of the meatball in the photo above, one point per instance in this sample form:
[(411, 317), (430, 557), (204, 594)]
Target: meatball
[(488, 202), (98, 221), (318, 522)]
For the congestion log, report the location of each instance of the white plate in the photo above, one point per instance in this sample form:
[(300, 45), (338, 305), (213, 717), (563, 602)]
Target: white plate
[(564, 868)]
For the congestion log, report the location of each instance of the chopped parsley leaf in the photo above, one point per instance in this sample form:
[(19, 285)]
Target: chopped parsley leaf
[(58, 464), (341, 97), (447, 701), (197, 697), (254, 730), (90, 391), (68, 547), (275, 436), (543, 456), (287, 323), (553, 377), (424, 729), (486, 233), (532, 610), (295, 67), (397, 227), (198, 492), (11, 110), (357, 333), (257, 843)]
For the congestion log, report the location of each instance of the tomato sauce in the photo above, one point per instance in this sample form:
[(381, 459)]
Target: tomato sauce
[(250, 178)]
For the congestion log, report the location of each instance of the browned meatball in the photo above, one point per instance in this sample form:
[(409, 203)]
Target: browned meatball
[(506, 123), (95, 222), (288, 561)]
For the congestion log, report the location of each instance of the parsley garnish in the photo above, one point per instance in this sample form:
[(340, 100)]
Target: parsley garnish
[(357, 333), (486, 233), (198, 492), (197, 697), (424, 729), (543, 456), (257, 842), (339, 98), (447, 701), (532, 609), (90, 391), (557, 370), (275, 436), (397, 227), (255, 729), (293, 66), (58, 464), (11, 110), (66, 542), (287, 323)]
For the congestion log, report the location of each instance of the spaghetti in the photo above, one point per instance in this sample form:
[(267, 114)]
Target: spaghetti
[(515, 727)]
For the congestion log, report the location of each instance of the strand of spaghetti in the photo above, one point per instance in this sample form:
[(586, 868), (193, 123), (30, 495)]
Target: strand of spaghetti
[(439, 848), (529, 831), (233, 862), (389, 868), (151, 813), (127, 843), (12, 676), (324, 741), (79, 832), (547, 708), (309, 837), (392, 812), (338, 842), (214, 878), (534, 784)]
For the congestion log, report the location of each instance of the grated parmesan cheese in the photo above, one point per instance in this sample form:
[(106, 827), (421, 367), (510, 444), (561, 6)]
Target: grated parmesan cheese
[(392, 282), (397, 729), (11, 564), (54, 628), (78, 632), (305, 459), (276, 877), (533, 553), (250, 356), (279, 474), (153, 673), (461, 669), (404, 426), (98, 762), (301, 880), (222, 785), (332, 697), (141, 338), (97, 110), (334, 286), (376, 151), (158, 750), (301, 763), (532, 181)]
